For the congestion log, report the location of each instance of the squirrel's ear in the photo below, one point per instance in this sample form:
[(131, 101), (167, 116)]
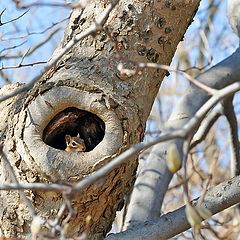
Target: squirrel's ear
[(78, 135), (68, 139)]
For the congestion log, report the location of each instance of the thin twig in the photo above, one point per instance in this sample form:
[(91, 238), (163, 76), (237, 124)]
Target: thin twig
[(206, 125), (12, 20), (233, 125), (20, 65), (96, 26), (15, 180), (36, 32), (206, 88), (12, 47), (54, 4), (34, 48)]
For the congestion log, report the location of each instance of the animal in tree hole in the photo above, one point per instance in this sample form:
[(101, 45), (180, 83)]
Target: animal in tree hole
[(75, 144)]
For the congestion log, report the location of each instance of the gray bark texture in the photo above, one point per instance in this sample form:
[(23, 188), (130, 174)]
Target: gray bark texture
[(217, 198), (86, 80)]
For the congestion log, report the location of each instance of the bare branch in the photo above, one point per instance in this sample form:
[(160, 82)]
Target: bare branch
[(53, 4), (36, 32), (12, 20), (199, 84), (36, 186), (33, 49), (217, 199), (233, 125), (12, 47), (20, 65), (206, 125), (99, 22), (14, 179)]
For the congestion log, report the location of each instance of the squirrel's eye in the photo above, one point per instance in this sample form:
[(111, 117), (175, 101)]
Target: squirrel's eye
[(74, 144)]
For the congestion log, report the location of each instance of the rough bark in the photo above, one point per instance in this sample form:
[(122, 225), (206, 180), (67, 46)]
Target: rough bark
[(87, 79)]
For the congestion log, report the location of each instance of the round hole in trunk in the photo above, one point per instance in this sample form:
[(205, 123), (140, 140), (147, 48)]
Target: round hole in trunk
[(73, 121)]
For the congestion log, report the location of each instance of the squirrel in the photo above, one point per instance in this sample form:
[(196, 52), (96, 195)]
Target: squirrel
[(74, 144)]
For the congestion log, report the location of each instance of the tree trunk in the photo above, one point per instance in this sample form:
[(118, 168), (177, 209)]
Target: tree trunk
[(86, 94)]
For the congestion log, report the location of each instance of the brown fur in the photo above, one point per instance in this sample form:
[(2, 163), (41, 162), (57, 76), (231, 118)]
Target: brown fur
[(75, 144)]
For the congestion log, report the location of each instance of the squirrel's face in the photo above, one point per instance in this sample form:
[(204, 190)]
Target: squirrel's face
[(75, 144)]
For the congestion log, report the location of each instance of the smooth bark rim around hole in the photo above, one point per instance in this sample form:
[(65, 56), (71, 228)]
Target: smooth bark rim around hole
[(55, 163)]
